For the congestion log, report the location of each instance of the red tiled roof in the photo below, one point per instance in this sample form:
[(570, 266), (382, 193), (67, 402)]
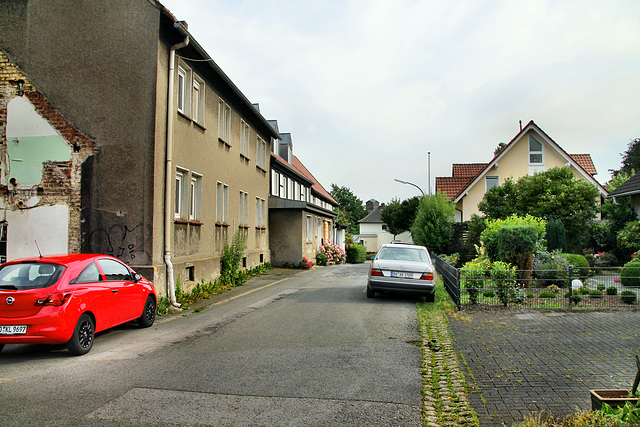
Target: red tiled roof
[(316, 185), (452, 186), (469, 170), (586, 162)]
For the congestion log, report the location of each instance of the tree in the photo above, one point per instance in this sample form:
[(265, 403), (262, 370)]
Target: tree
[(399, 216), (351, 205), (434, 222), (630, 158), (556, 236), (554, 194)]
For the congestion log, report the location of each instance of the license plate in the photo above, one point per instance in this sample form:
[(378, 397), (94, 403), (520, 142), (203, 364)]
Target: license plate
[(401, 274), (13, 330)]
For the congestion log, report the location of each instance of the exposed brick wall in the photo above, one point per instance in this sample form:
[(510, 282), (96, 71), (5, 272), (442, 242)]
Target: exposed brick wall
[(61, 181)]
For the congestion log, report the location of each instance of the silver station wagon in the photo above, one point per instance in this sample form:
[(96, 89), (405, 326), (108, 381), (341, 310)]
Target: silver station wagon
[(402, 268)]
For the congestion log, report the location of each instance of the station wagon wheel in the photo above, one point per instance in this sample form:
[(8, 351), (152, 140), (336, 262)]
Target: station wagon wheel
[(82, 339), (148, 314)]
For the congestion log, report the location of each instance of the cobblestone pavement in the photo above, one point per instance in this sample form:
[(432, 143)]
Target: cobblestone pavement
[(517, 363)]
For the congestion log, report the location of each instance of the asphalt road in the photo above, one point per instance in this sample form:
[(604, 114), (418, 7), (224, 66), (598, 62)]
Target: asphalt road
[(308, 350)]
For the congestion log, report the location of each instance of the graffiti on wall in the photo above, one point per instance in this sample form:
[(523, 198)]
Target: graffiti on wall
[(118, 240)]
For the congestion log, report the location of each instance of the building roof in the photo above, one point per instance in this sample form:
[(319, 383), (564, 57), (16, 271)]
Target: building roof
[(375, 217), (463, 178), (317, 187), (628, 188)]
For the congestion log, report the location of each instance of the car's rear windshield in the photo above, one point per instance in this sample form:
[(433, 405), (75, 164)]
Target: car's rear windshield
[(30, 275), (403, 254)]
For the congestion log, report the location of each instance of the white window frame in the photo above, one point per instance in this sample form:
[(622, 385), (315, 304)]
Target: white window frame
[(243, 208), (261, 153), (198, 100), (224, 122), (489, 178), (182, 90), (245, 139), (275, 183), (181, 193), (261, 212), (222, 203), (195, 196), (309, 228), (536, 152)]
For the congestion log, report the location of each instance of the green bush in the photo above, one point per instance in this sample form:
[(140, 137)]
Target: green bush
[(583, 290), (612, 290), (530, 295), (556, 236), (474, 274), (550, 268), (489, 294), (576, 299), (356, 254), (578, 262), (514, 244), (503, 276), (547, 294), (628, 296), (600, 286), (595, 293), (630, 274)]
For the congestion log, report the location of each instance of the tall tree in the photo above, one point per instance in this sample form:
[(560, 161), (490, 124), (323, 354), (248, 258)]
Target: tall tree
[(434, 222), (351, 205), (630, 159), (399, 216)]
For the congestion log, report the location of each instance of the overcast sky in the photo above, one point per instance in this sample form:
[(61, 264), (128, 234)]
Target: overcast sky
[(368, 87)]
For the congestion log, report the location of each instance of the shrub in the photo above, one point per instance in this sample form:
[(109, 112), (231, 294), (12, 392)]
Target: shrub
[(232, 258), (322, 259), (576, 299), (600, 286), (582, 291), (530, 295), (630, 274), (329, 252), (514, 244), (550, 268), (306, 263), (503, 276), (595, 293), (474, 274), (628, 296), (556, 237), (452, 259), (488, 236), (547, 294), (612, 290), (579, 262), (489, 294), (356, 254)]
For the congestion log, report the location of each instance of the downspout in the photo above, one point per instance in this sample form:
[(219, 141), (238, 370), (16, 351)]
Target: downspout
[(168, 185)]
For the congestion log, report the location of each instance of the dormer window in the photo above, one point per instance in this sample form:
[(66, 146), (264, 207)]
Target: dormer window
[(535, 151)]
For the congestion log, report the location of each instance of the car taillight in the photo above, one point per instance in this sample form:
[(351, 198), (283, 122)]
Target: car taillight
[(426, 276), (56, 299), (376, 272)]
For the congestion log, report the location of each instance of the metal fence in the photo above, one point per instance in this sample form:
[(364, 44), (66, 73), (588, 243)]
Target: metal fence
[(575, 288)]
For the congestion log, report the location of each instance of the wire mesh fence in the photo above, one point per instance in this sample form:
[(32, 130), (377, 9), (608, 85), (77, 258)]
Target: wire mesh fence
[(575, 288)]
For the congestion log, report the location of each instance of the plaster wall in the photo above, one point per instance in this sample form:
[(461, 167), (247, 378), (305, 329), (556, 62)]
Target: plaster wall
[(46, 225)]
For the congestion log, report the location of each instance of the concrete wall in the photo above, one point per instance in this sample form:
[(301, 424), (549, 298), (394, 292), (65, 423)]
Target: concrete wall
[(287, 236)]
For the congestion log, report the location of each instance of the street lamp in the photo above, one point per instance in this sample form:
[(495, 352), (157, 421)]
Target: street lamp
[(409, 183)]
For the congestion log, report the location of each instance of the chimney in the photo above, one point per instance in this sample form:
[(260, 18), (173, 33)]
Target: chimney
[(520, 125)]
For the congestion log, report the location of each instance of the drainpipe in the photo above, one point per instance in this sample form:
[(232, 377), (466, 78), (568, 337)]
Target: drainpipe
[(168, 185)]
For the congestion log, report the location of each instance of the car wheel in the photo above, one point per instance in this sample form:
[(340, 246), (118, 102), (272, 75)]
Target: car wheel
[(148, 314), (431, 297), (82, 339), (370, 292)]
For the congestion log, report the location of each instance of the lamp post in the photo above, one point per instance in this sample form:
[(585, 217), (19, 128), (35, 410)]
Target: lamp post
[(409, 183)]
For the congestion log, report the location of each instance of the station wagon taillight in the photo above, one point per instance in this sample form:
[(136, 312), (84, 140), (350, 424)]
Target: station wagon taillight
[(56, 299), (426, 276)]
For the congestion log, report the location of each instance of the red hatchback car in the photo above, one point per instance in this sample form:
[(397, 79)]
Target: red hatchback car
[(68, 298)]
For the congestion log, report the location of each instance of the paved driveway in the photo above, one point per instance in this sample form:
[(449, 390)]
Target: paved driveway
[(528, 362)]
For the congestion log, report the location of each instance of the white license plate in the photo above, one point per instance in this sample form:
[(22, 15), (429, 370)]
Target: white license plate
[(402, 274), (13, 330)]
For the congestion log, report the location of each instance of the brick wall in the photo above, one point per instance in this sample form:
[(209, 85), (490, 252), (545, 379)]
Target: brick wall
[(61, 181)]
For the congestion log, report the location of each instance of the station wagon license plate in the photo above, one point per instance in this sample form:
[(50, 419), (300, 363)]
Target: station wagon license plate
[(402, 274), (13, 330)]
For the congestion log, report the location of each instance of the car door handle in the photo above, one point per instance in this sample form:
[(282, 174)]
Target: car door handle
[(115, 291)]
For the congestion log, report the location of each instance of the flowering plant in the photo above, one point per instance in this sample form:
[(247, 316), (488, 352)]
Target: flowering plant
[(306, 263), (329, 252)]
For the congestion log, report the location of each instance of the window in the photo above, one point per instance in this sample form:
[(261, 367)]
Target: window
[(222, 203), (245, 134), (303, 190), (244, 209), (261, 212), (309, 228), (182, 93), (224, 122), (195, 199), (261, 155), (198, 100), (275, 184), (296, 193), (113, 270), (290, 191), (89, 275), (535, 151), (283, 186), (491, 181), (181, 194)]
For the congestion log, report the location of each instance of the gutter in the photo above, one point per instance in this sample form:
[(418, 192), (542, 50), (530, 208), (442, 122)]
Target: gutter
[(168, 185)]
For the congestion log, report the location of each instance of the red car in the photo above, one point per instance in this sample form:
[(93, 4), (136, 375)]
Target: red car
[(68, 298)]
